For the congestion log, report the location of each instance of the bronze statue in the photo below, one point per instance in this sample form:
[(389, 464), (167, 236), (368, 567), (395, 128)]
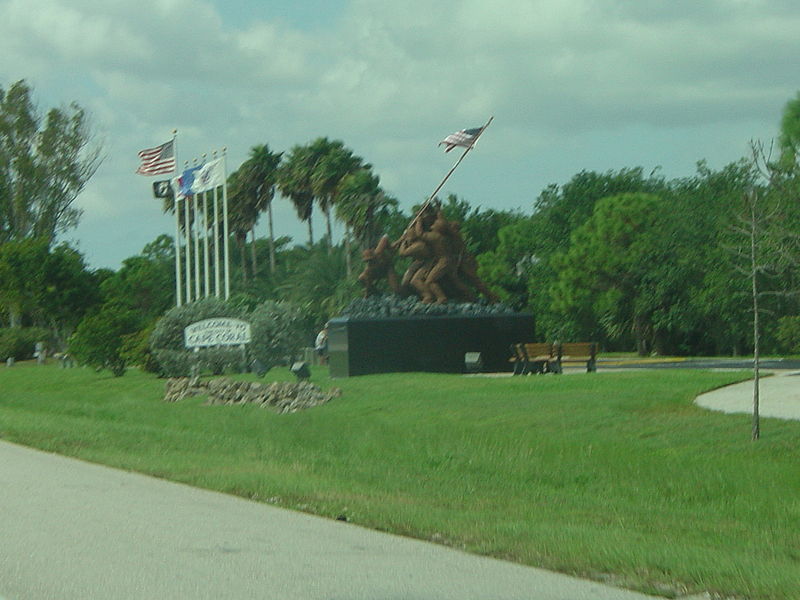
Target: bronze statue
[(441, 267), (379, 265)]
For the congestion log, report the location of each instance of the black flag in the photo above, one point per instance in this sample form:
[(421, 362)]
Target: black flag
[(162, 189)]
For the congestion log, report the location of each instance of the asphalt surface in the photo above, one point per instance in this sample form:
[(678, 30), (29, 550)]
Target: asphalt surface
[(75, 530)]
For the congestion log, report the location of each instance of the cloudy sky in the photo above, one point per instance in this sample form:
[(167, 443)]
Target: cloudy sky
[(572, 85)]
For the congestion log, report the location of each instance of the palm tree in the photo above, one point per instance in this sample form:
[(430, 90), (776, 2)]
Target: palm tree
[(294, 182), (242, 216), (360, 200), (257, 180), (333, 161)]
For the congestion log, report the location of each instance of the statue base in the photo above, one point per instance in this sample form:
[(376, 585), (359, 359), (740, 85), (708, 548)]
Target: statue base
[(437, 344)]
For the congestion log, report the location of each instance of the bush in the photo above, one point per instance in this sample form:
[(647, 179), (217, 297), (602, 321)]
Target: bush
[(20, 342), (136, 350), (278, 333), (167, 342), (788, 334), (98, 340), (277, 336)]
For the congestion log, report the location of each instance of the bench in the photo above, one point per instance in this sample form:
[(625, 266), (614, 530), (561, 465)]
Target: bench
[(550, 358), (575, 353), (532, 358)]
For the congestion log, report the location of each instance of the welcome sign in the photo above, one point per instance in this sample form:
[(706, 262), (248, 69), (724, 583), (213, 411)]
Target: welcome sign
[(220, 331)]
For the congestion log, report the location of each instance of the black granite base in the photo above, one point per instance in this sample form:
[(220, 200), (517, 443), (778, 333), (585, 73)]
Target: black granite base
[(427, 344)]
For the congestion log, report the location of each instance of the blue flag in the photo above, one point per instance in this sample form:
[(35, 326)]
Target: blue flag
[(186, 180)]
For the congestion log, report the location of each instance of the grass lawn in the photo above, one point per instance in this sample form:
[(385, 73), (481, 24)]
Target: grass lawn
[(615, 476)]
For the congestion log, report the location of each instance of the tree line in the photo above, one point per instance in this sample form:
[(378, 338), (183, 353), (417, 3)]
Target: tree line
[(631, 260)]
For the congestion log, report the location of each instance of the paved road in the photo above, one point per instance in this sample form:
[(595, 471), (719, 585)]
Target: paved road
[(75, 530)]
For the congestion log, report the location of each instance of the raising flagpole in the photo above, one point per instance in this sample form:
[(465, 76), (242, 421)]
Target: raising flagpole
[(468, 138)]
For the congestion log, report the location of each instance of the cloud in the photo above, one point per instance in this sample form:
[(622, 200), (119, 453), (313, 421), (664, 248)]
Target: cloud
[(571, 82)]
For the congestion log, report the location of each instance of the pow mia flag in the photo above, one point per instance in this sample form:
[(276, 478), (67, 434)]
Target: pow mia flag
[(162, 189)]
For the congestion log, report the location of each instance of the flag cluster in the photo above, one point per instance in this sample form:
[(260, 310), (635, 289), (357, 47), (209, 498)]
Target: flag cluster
[(465, 138), (158, 160), (202, 178)]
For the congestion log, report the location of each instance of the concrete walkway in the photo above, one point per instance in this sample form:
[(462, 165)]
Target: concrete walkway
[(779, 396), (75, 530)]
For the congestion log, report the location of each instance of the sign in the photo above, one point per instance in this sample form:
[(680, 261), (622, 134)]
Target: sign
[(220, 331)]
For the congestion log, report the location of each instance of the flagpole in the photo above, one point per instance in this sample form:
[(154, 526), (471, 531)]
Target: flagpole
[(187, 235), (196, 232), (216, 237), (458, 162), (206, 274), (449, 173), (176, 210), (225, 224)]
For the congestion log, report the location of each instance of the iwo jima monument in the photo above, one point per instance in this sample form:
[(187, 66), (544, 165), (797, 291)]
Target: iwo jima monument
[(439, 316)]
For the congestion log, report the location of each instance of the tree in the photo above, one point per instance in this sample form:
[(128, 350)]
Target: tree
[(790, 133), (100, 339), (145, 283), (44, 164), (253, 191), (362, 204), (294, 182), (332, 162), (21, 276), (606, 269)]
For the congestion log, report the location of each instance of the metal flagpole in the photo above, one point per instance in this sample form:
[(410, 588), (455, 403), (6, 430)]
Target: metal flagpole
[(196, 231), (225, 224), (216, 237), (207, 275), (187, 236), (450, 172), (176, 209)]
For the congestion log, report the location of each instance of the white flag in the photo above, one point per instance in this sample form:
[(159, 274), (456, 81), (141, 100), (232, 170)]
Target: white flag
[(211, 175)]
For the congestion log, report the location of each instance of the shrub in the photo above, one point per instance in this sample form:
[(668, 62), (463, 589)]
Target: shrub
[(278, 333), (167, 342), (98, 340), (788, 334), (20, 342)]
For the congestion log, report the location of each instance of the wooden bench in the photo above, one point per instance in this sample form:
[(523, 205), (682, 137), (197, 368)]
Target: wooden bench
[(550, 358), (575, 352), (532, 358)]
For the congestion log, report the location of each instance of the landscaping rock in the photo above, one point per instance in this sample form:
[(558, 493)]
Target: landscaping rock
[(284, 397)]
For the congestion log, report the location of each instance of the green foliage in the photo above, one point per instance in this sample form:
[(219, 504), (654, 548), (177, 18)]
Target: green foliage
[(46, 162), (279, 331), (788, 334), (20, 342), (144, 283), (99, 339), (167, 339)]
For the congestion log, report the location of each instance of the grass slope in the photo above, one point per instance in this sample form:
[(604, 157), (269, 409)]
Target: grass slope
[(615, 476)]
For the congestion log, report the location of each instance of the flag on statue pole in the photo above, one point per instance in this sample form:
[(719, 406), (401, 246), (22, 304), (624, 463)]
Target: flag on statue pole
[(210, 176), (158, 160), (465, 138)]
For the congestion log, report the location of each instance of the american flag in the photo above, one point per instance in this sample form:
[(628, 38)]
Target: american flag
[(158, 160), (465, 138)]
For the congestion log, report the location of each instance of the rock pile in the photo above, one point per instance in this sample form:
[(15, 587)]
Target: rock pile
[(379, 307), (284, 397)]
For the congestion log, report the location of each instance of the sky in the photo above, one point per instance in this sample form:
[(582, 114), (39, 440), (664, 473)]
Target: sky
[(572, 85)]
